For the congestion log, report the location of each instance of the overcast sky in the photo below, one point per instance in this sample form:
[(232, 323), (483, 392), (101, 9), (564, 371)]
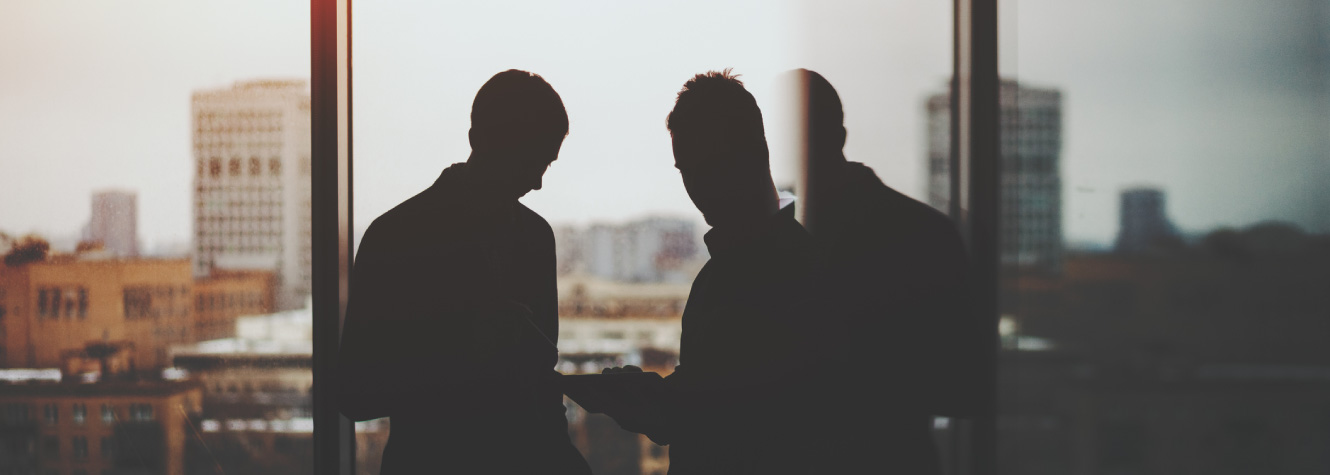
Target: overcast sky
[(1223, 103)]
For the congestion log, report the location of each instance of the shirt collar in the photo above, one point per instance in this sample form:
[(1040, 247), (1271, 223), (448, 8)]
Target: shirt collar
[(725, 240)]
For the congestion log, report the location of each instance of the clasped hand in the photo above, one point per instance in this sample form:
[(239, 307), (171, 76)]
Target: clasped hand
[(643, 410)]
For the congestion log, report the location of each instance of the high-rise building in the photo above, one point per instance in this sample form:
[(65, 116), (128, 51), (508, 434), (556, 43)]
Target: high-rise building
[(1144, 224), (114, 222), (1031, 184), (252, 183)]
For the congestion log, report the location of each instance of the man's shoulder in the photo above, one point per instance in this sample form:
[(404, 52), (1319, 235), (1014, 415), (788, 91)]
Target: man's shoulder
[(532, 222), (889, 204), (417, 219)]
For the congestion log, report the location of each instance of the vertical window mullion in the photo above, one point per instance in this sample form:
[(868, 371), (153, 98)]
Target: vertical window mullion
[(330, 43), (978, 154)]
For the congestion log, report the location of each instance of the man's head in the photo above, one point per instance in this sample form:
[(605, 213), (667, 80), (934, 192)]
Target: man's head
[(517, 126), (720, 148), (818, 126), (822, 116)]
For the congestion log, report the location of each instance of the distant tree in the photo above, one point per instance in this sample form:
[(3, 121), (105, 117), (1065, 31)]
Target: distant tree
[(30, 248), (87, 246)]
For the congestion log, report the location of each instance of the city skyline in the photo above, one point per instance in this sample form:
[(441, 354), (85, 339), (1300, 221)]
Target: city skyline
[(1223, 164)]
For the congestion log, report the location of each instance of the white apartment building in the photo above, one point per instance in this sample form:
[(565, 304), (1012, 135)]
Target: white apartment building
[(252, 182)]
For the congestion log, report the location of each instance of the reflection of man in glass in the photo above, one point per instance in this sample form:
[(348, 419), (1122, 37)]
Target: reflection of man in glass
[(896, 272), (453, 310), (742, 399)]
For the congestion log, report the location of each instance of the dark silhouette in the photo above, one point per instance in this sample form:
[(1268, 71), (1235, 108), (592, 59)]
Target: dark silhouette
[(453, 312), (896, 272), (746, 395)]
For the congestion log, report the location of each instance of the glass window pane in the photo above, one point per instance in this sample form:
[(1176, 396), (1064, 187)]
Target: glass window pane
[(1165, 229), (628, 238), (143, 146)]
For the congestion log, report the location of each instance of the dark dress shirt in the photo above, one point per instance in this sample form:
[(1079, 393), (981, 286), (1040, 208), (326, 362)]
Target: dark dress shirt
[(744, 397), (414, 346), (896, 273)]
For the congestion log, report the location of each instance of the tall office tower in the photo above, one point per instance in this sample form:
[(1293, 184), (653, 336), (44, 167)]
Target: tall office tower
[(252, 183), (1143, 222), (1031, 185), (114, 222)]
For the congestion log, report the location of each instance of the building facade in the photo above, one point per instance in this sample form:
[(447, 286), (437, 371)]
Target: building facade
[(1031, 184), (257, 416), (223, 295), (114, 222), (252, 183), (64, 302), (96, 428)]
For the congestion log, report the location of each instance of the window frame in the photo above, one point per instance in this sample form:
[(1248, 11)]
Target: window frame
[(975, 149)]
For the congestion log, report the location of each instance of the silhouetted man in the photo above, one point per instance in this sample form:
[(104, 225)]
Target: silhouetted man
[(743, 399), (896, 273), (453, 309)]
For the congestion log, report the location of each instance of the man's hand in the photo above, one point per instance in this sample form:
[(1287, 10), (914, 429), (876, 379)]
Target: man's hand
[(644, 410), (621, 369)]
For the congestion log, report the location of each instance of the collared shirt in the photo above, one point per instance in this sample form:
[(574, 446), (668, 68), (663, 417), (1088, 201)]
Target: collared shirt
[(752, 339)]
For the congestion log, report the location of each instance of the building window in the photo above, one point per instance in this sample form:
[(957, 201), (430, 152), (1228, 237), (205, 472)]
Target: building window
[(108, 449), (55, 302), (108, 414), (83, 303), (137, 301), (80, 447), (234, 167), (51, 447), (16, 413), (51, 413), (215, 167), (140, 412), (41, 302), (275, 166), (255, 167), (80, 413)]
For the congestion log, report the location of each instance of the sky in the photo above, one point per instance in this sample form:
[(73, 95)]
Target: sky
[(1225, 104)]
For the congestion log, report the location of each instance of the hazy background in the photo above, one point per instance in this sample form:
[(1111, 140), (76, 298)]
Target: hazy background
[(618, 67), (1223, 103)]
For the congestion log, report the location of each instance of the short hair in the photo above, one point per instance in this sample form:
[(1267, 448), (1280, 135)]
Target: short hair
[(824, 113), (717, 101), (518, 101), (823, 101)]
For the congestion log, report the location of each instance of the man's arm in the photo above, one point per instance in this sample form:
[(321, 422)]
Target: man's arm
[(369, 381)]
